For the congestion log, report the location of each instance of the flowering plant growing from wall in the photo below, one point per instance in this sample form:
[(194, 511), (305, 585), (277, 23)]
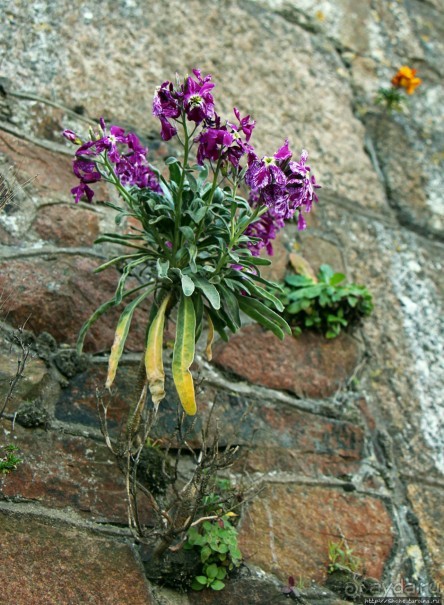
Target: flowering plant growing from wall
[(198, 240), (406, 80)]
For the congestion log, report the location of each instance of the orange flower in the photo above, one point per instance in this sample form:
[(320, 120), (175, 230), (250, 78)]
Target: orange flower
[(405, 78)]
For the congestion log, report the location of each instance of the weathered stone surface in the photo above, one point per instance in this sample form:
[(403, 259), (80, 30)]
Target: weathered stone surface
[(338, 135), (57, 294), (33, 380), (428, 504), (406, 186), (65, 225), (309, 366), (279, 437), (244, 587), (48, 564), (294, 525), (404, 371), (50, 172), (78, 402), (63, 471), (333, 57), (320, 251)]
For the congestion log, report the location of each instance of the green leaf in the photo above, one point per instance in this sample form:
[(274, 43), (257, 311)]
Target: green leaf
[(262, 293), (192, 251), (298, 280), (175, 170), (254, 260), (211, 571), (187, 285), (202, 580), (310, 292), (265, 316), (117, 259), (121, 240), (162, 268), (210, 291), (197, 215), (230, 306), (325, 273), (217, 585), (294, 307), (121, 284), (192, 182), (336, 279), (205, 553), (218, 323), (99, 312), (183, 354), (188, 233), (120, 336)]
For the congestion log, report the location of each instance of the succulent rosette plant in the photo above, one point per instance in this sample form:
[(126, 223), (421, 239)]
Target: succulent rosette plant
[(198, 239)]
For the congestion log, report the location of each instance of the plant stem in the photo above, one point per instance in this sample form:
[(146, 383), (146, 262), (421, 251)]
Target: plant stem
[(178, 204)]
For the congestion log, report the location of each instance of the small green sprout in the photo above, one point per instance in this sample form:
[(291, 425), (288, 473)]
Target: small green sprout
[(341, 558), (8, 459)]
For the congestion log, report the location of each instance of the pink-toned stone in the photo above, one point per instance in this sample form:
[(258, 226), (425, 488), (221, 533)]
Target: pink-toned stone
[(58, 293), (67, 225), (67, 472), (309, 366), (50, 172), (48, 564), (288, 529)]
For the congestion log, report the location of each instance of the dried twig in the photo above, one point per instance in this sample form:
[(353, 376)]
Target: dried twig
[(18, 339)]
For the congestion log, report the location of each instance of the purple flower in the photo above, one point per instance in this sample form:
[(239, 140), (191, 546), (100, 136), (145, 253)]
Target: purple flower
[(109, 142), (283, 153), (82, 190), (265, 229), (301, 222), (284, 186), (197, 99), (211, 142), (86, 170), (245, 124), (71, 136), (127, 154), (166, 106), (166, 101), (264, 172)]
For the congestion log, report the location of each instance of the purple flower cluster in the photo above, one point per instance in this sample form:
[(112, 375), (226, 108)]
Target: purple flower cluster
[(226, 143), (284, 186), (192, 99), (124, 151)]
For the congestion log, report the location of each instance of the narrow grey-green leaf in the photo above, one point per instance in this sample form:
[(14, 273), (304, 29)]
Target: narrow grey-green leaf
[(187, 285), (210, 291), (162, 268)]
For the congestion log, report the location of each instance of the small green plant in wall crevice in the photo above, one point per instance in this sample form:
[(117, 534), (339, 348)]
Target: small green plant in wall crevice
[(216, 541), (341, 558), (326, 305), (8, 459)]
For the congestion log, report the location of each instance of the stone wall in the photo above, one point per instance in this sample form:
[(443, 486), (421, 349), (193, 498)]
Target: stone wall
[(346, 435)]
